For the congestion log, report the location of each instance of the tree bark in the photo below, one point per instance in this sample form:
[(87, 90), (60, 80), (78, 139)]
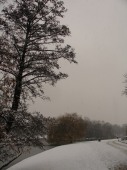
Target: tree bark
[(15, 103), (17, 92), (18, 86)]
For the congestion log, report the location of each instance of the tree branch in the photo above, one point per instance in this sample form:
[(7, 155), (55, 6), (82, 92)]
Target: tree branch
[(3, 118), (8, 71), (6, 164)]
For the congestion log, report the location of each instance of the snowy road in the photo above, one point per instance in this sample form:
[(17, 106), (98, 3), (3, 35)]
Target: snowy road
[(119, 145), (80, 156)]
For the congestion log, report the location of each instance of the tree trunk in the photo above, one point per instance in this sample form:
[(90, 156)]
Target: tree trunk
[(17, 92), (18, 86), (15, 103)]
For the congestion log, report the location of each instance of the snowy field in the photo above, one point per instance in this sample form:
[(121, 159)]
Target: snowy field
[(93, 155)]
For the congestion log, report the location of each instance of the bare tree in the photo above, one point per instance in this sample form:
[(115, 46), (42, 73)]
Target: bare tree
[(31, 45), (30, 48), (2, 1), (66, 129)]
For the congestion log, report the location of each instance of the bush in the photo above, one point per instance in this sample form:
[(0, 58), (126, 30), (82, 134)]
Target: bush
[(27, 131)]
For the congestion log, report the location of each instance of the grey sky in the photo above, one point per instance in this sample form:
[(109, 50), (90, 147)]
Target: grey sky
[(94, 87)]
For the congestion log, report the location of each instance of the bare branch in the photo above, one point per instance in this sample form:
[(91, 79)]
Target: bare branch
[(8, 71)]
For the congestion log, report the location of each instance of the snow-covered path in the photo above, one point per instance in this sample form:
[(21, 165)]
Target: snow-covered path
[(79, 156)]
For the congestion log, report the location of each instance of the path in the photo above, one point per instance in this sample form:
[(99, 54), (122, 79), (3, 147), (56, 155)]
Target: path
[(80, 156)]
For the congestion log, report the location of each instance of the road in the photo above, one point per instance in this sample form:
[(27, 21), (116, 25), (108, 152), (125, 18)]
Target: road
[(104, 155), (119, 145)]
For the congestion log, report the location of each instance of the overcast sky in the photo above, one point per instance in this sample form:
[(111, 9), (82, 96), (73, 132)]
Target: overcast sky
[(94, 86)]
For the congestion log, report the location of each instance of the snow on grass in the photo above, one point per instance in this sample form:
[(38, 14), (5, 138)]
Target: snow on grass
[(79, 156)]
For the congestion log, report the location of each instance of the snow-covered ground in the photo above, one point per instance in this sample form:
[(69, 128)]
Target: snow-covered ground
[(93, 155), (124, 141)]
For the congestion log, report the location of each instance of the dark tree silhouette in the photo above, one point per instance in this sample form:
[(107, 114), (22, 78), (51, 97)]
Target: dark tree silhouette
[(31, 45), (30, 48)]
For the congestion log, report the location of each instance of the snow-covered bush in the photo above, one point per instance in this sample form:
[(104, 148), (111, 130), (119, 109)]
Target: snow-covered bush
[(27, 130)]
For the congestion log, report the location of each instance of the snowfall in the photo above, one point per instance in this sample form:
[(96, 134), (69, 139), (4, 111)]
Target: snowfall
[(88, 155)]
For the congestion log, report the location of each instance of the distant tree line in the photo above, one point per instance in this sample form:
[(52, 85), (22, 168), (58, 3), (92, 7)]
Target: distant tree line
[(103, 130), (71, 127)]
